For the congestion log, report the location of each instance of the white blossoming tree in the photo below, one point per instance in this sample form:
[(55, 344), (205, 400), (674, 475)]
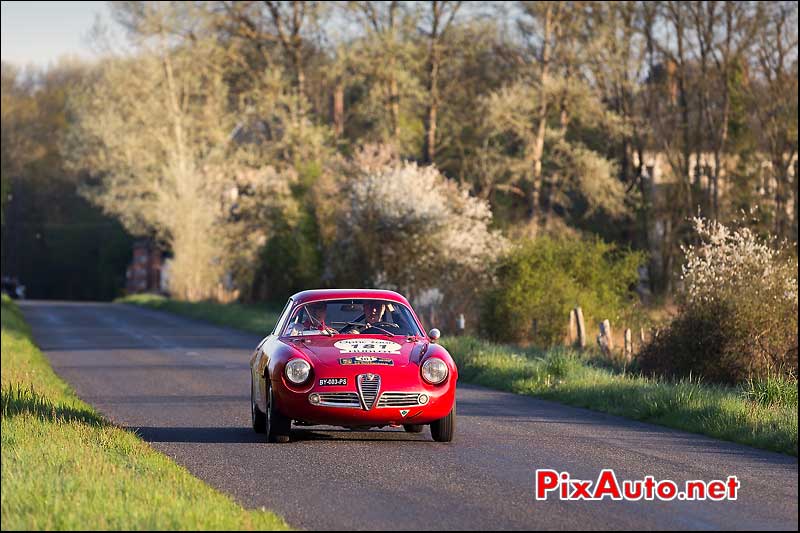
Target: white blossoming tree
[(407, 227)]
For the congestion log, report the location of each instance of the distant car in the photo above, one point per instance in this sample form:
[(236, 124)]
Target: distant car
[(13, 288), (353, 358)]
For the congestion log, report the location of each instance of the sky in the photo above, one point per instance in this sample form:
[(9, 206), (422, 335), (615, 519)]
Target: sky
[(39, 33)]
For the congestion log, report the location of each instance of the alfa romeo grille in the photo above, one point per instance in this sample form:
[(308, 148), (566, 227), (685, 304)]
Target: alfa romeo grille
[(399, 399), (368, 386), (339, 399)]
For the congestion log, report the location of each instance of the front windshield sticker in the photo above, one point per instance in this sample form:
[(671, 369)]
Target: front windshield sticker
[(367, 346)]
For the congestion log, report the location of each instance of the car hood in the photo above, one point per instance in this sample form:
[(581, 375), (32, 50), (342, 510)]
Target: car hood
[(328, 351)]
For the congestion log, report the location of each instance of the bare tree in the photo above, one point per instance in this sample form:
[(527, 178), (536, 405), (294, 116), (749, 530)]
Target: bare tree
[(775, 101), (439, 17), (724, 33), (382, 18)]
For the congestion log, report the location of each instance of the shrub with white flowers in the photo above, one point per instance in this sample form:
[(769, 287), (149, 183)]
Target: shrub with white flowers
[(738, 313), (730, 261)]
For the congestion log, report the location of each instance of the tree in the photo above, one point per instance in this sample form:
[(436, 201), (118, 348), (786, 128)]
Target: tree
[(439, 20), (408, 228), (292, 26), (169, 156), (774, 96), (575, 179), (45, 221), (544, 27), (19, 147), (615, 59), (384, 88), (721, 53)]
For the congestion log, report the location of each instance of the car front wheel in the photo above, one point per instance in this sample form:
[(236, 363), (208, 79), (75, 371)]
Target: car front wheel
[(278, 426), (442, 430)]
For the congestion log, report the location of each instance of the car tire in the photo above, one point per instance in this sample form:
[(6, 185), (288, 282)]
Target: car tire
[(278, 426), (258, 416), (413, 428), (442, 430)]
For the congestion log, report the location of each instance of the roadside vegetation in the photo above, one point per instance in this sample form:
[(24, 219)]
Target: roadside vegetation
[(760, 413), (65, 467), (737, 316), (540, 281)]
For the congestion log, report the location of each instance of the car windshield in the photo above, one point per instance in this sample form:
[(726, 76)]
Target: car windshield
[(352, 317)]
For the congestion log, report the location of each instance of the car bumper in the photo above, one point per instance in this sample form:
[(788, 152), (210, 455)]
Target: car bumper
[(387, 408)]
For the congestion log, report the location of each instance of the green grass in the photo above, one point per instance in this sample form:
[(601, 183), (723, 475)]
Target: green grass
[(65, 467), (761, 414)]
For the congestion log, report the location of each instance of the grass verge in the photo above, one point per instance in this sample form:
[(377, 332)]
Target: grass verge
[(759, 414), (745, 415), (65, 467)]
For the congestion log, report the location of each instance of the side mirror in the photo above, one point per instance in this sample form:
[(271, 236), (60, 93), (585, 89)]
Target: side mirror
[(434, 334)]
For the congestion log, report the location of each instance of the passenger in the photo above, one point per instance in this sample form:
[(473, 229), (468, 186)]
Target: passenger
[(316, 313)]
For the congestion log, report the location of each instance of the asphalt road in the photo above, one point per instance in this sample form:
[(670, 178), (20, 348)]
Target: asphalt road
[(183, 386)]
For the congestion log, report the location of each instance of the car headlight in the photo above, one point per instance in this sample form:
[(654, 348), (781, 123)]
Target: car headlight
[(434, 370), (297, 371)]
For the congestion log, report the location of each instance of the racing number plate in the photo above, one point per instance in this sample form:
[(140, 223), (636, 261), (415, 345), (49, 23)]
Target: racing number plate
[(366, 360), (332, 382)]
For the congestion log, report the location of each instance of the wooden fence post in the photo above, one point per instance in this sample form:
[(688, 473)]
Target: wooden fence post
[(581, 328), (605, 329), (461, 324), (572, 329), (604, 340), (628, 345)]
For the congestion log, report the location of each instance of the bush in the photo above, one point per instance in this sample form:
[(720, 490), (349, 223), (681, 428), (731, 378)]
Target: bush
[(738, 311), (542, 280), (290, 262)]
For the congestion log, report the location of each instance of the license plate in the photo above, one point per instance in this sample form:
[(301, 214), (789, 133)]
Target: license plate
[(327, 382)]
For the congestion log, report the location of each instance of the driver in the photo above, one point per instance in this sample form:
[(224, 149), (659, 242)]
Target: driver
[(373, 314)]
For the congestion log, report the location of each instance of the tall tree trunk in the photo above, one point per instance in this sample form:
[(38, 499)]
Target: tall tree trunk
[(722, 144), (429, 148), (394, 102), (541, 116), (338, 108), (300, 75), (780, 171), (430, 137), (794, 197), (433, 107)]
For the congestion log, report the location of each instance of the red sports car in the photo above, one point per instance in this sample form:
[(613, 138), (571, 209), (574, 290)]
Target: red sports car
[(353, 358)]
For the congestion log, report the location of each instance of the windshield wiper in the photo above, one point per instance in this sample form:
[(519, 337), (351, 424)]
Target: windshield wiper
[(387, 332)]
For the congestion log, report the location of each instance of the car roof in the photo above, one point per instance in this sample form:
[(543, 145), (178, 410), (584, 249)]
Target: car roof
[(331, 294)]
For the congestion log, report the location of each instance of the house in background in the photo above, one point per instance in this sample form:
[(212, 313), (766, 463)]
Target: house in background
[(144, 274)]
